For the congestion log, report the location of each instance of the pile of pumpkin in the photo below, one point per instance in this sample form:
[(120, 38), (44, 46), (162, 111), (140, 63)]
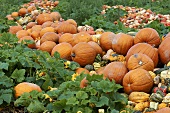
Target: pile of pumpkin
[(131, 61), (138, 17)]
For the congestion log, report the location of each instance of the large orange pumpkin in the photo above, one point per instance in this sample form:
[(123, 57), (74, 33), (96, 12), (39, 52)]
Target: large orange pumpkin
[(22, 33), (47, 24), (30, 25), (47, 46), (145, 49), (15, 29), (140, 60), (83, 53), (71, 21), (106, 40), (44, 17), (25, 87), (164, 50), (96, 47), (148, 35), (137, 80), (64, 49), (121, 43), (65, 27), (55, 16), (49, 36), (66, 37), (45, 30), (115, 71), (36, 28), (22, 11), (33, 46), (81, 37)]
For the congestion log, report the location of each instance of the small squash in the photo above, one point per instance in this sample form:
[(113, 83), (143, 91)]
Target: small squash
[(82, 70)]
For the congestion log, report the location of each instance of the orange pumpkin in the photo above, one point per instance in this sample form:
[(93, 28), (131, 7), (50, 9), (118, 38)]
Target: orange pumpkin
[(55, 16), (47, 24), (25, 87), (140, 60), (163, 110), (22, 11), (64, 49), (15, 29), (31, 8), (35, 35), (121, 43), (66, 37), (14, 14), (71, 21), (164, 50), (106, 40), (148, 35), (96, 47), (45, 30), (49, 36), (83, 53), (115, 71), (83, 83), (65, 27), (82, 70), (36, 28), (145, 49), (44, 17), (33, 46), (30, 25), (22, 33), (137, 80), (47, 46), (81, 37)]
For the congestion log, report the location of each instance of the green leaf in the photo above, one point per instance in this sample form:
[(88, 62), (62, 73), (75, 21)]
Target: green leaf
[(73, 65), (114, 111), (59, 105), (5, 81), (4, 66), (99, 102), (18, 75), (85, 102), (1, 101), (81, 95), (6, 97), (36, 107), (72, 101)]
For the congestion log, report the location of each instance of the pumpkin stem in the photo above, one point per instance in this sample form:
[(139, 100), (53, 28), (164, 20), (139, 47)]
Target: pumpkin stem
[(73, 55)]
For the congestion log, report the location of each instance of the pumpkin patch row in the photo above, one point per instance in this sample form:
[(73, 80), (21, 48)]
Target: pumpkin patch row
[(128, 60)]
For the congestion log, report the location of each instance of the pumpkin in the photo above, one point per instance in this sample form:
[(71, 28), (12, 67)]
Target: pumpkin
[(49, 36), (140, 60), (71, 21), (81, 37), (65, 27), (35, 35), (25, 87), (115, 71), (15, 29), (66, 37), (14, 14), (55, 16), (163, 110), (83, 83), (36, 28), (121, 43), (83, 53), (55, 24), (31, 8), (137, 80), (64, 49), (47, 46), (47, 24), (88, 29), (22, 11), (145, 49), (45, 30), (147, 35), (106, 40), (82, 70), (30, 25), (96, 47), (22, 33), (164, 51), (33, 46), (44, 17)]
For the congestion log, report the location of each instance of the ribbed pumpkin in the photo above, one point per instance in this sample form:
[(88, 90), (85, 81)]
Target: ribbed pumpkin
[(164, 50), (83, 53), (55, 16), (65, 27), (25, 87), (15, 29), (31, 8), (47, 46), (121, 43), (22, 11), (36, 28), (49, 36), (71, 21), (81, 37), (137, 80), (47, 24), (30, 25), (106, 40), (96, 47), (35, 35), (44, 17), (45, 30), (14, 14), (140, 60), (22, 33), (64, 49), (145, 49), (33, 46), (66, 37), (82, 70), (148, 35), (115, 71)]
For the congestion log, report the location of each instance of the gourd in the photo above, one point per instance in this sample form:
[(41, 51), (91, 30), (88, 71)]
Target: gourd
[(139, 97)]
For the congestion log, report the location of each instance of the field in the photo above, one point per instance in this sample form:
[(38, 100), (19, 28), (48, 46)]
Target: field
[(75, 56)]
